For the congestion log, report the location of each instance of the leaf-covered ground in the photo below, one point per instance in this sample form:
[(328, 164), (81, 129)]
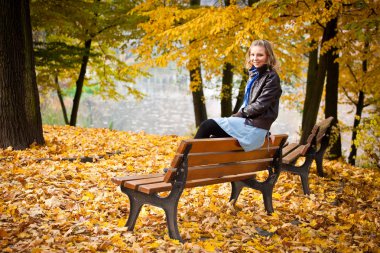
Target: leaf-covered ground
[(52, 204)]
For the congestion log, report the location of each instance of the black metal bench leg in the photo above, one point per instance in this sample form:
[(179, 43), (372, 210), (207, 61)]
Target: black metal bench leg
[(236, 190), (135, 208), (171, 221), (319, 161), (303, 171), (267, 197), (266, 188), (305, 183)]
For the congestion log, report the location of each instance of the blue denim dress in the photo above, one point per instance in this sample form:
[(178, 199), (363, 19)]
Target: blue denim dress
[(249, 137)]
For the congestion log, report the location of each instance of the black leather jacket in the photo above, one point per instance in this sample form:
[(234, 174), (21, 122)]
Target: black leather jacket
[(264, 100)]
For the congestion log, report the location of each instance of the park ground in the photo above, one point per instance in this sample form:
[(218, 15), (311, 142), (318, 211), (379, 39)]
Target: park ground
[(52, 201)]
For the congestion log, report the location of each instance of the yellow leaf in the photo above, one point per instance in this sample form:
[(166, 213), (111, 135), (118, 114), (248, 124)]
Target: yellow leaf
[(88, 196), (121, 222), (313, 223), (209, 247), (154, 245)]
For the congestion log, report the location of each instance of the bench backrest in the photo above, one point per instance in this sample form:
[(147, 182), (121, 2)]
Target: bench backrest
[(218, 157), (324, 128), (317, 141), (319, 131)]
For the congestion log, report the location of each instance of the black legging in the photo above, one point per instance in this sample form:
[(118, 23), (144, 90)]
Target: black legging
[(209, 128)]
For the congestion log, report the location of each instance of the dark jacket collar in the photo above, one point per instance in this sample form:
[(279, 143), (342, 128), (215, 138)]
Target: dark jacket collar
[(263, 69)]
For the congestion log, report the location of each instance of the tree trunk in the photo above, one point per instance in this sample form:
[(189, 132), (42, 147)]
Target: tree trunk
[(358, 115), (60, 97), (314, 89), (20, 117), (226, 92), (227, 79), (331, 95), (195, 2), (196, 87), (80, 82), (240, 96), (196, 84)]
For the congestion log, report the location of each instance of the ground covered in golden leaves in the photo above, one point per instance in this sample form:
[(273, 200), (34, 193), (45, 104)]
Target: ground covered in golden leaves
[(49, 203)]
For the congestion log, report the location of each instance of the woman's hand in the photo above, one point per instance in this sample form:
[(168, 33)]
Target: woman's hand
[(239, 114)]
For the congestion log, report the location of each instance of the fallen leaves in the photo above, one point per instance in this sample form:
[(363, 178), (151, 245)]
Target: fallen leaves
[(51, 204)]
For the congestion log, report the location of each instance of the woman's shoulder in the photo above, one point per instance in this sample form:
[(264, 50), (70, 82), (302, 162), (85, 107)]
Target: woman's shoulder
[(271, 73)]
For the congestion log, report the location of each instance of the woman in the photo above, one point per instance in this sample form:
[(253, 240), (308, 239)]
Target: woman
[(260, 106)]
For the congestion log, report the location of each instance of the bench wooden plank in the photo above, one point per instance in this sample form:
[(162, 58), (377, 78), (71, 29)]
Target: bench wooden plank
[(287, 149), (314, 131), (220, 170), (323, 126), (225, 144), (134, 184), (195, 159), (162, 187), (119, 180), (292, 156)]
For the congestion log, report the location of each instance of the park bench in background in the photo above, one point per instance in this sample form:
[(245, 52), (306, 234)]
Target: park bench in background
[(201, 162), (314, 149)]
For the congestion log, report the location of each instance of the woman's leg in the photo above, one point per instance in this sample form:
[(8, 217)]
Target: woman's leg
[(210, 128)]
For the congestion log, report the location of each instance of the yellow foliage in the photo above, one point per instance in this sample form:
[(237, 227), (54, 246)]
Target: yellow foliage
[(53, 205)]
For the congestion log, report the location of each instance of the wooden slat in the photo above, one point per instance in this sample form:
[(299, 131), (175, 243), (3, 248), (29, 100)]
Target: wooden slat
[(292, 156), (305, 149), (119, 180), (325, 122), (134, 184), (169, 174), (214, 145), (221, 170), (181, 148), (153, 188), (226, 144), (323, 126), (289, 148), (196, 159), (161, 187), (314, 131)]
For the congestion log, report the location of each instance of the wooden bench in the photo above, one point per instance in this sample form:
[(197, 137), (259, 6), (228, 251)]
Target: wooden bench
[(312, 150), (201, 162)]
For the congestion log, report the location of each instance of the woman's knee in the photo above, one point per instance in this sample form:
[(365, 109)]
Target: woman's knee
[(207, 124), (205, 129)]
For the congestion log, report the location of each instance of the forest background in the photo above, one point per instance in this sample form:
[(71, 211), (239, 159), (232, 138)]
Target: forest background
[(328, 52)]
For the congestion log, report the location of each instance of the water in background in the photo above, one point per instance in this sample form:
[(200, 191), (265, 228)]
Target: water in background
[(167, 108)]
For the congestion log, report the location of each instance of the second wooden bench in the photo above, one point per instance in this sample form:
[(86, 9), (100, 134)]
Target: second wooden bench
[(313, 150)]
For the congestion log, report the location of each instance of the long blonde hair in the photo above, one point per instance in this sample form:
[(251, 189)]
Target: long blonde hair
[(272, 61)]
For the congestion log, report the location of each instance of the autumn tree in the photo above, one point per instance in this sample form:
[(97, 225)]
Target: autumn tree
[(359, 47), (99, 29), (20, 117), (321, 63), (227, 83), (196, 82), (301, 31), (218, 35)]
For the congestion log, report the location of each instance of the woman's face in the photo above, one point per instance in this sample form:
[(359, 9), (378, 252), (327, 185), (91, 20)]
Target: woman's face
[(258, 56)]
